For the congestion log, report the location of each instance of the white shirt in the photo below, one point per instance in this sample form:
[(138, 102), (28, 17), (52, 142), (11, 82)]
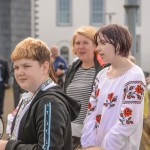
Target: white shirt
[(115, 115)]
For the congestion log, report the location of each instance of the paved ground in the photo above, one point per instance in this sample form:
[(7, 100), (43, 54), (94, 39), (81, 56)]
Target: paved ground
[(8, 107)]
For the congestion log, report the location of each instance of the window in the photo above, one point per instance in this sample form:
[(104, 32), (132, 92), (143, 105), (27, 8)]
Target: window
[(64, 51), (63, 12), (96, 12)]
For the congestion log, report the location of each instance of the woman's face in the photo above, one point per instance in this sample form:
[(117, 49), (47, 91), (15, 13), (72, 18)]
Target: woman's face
[(105, 50), (84, 48), (30, 74)]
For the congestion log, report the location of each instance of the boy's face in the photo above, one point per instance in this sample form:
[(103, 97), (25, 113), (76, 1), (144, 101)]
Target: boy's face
[(30, 74)]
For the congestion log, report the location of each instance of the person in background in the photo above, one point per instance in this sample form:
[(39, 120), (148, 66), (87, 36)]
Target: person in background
[(115, 114), (17, 91), (60, 65), (81, 75), (43, 119), (4, 77), (148, 80)]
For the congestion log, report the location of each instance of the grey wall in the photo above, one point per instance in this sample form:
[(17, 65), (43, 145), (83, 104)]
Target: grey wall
[(5, 33), (20, 21), (15, 24)]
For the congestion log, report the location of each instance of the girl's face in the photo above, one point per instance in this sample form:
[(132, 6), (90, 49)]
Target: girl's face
[(30, 74), (106, 50), (84, 48)]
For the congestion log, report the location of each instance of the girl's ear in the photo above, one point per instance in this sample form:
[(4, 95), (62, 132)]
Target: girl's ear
[(118, 49)]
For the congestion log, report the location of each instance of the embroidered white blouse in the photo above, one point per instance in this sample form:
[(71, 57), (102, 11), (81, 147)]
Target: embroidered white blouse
[(114, 119)]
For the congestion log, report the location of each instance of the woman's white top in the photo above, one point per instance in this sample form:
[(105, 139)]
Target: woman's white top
[(115, 112)]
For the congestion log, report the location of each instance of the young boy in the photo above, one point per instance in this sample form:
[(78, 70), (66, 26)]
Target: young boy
[(43, 119)]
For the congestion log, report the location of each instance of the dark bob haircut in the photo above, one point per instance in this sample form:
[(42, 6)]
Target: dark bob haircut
[(116, 35)]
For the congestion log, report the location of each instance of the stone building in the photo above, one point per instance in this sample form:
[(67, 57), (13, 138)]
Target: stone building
[(15, 24), (54, 21)]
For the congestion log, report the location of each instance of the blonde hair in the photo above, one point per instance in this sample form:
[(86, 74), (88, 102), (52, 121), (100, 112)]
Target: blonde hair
[(132, 59), (91, 148), (31, 48), (87, 31), (34, 49)]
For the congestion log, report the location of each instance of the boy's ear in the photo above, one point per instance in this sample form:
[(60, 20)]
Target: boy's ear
[(46, 66)]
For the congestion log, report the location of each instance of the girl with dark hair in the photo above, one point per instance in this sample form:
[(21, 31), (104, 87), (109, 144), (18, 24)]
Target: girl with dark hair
[(114, 119)]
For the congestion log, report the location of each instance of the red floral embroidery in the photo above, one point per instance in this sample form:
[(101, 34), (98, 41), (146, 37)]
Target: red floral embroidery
[(89, 105), (133, 92), (97, 92), (98, 118), (127, 112), (105, 104), (110, 96), (125, 116), (121, 114), (131, 87), (110, 100), (139, 89), (90, 108)]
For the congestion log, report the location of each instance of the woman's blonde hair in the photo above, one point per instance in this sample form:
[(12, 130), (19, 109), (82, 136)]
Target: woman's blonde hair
[(91, 148), (34, 49), (87, 31), (132, 59)]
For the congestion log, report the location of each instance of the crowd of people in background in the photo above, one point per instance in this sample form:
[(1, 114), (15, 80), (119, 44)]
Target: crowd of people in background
[(95, 103)]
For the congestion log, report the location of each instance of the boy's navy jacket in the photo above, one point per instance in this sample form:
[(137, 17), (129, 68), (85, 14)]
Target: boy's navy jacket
[(47, 123)]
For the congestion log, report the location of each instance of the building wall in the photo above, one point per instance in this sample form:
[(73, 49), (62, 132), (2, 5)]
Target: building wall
[(20, 23), (52, 34), (5, 29), (144, 30), (15, 24), (61, 36)]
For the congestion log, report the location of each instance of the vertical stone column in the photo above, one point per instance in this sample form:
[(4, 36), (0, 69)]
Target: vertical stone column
[(20, 21), (131, 10), (5, 33)]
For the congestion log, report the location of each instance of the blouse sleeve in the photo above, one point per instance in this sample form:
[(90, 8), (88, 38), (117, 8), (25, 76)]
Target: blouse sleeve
[(131, 115), (89, 122)]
